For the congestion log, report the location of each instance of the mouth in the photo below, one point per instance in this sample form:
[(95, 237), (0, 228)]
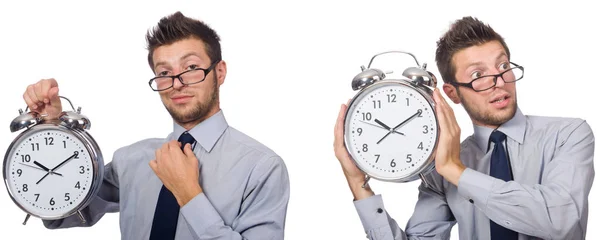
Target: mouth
[(500, 101), (181, 99)]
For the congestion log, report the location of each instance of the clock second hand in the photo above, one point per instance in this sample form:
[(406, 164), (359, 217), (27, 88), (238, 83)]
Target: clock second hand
[(375, 125), (39, 168)]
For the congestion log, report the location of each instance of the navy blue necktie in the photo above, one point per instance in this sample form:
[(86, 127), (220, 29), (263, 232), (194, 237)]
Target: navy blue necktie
[(499, 168), (166, 214)]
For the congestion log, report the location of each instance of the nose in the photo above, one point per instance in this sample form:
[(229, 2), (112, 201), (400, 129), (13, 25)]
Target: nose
[(177, 83), (500, 81)]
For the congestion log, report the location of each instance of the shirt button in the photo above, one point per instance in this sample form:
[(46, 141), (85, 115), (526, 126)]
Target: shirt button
[(379, 210), (507, 222), (471, 200)]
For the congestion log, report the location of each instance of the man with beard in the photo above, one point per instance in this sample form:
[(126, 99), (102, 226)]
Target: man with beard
[(517, 177), (205, 180)]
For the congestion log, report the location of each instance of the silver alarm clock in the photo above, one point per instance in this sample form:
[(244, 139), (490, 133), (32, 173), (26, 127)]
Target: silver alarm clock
[(53, 169), (390, 127)]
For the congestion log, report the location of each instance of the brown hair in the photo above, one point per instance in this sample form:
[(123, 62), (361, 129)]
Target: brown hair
[(178, 27), (463, 33)]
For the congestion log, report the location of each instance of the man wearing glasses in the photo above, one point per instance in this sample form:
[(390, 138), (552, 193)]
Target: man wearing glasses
[(517, 177), (206, 180)]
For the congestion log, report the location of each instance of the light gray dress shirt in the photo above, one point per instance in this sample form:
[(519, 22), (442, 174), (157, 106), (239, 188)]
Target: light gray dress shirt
[(552, 164), (245, 184)]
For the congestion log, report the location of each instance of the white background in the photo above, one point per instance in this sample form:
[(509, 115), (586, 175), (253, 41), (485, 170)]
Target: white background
[(290, 67)]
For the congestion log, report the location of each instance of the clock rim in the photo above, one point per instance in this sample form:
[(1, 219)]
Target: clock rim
[(95, 156), (426, 93)]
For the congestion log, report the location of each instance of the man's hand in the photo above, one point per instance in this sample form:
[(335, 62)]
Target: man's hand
[(354, 175), (42, 97), (447, 155), (178, 171)]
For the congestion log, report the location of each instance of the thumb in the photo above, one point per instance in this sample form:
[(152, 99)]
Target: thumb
[(153, 165), (188, 150), (54, 108), (53, 93), (436, 95)]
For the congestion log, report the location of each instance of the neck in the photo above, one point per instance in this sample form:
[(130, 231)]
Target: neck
[(478, 123), (191, 124)]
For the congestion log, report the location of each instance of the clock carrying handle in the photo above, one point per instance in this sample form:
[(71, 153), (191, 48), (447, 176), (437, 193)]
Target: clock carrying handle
[(26, 108), (413, 56)]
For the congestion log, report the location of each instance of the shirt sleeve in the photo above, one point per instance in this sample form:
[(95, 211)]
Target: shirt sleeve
[(107, 200), (554, 209), (431, 219), (262, 213)]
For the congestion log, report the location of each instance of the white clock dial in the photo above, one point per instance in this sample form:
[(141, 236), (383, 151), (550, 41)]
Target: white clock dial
[(391, 131), (49, 173)]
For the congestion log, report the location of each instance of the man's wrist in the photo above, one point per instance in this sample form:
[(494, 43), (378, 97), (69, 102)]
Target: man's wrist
[(356, 186), (452, 172), (187, 194)]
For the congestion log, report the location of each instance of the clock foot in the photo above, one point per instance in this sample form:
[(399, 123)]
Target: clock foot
[(26, 219), (81, 216), (366, 181), (427, 185)]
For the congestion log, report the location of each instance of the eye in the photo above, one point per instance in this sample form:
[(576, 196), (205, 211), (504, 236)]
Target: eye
[(503, 66), (162, 74), (475, 74), (193, 66)]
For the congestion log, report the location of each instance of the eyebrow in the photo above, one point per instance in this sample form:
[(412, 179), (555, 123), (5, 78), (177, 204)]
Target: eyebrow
[(503, 54), (182, 58)]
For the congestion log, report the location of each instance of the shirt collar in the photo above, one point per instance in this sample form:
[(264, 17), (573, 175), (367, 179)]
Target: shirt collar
[(514, 129), (207, 132)]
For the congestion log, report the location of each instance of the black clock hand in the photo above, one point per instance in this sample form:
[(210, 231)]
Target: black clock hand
[(51, 171), (387, 134), (382, 124), (402, 123), (45, 168), (386, 127), (38, 182), (40, 165), (65, 161), (410, 118)]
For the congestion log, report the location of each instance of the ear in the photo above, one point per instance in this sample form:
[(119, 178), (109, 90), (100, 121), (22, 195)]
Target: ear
[(221, 71), (451, 92)]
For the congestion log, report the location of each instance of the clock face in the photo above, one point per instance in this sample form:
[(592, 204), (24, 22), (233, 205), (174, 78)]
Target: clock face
[(49, 172), (391, 131)]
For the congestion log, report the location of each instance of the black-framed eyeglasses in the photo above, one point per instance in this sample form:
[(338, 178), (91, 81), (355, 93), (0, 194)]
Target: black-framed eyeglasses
[(188, 77), (513, 74)]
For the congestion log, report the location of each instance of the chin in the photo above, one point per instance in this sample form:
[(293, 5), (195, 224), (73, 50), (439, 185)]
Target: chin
[(506, 114), (181, 116)]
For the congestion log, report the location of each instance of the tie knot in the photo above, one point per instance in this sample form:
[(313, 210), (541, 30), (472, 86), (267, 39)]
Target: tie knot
[(497, 137), (186, 138)]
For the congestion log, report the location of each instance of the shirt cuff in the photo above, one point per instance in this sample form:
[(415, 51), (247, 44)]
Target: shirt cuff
[(476, 187), (371, 212), (200, 214)]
